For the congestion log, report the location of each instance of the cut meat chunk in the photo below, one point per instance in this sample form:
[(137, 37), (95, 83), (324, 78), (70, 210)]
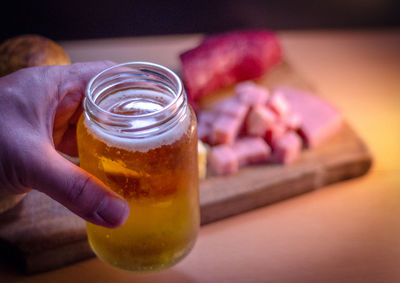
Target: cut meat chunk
[(233, 107), (274, 133), (206, 117), (225, 59), (251, 94), (204, 127), (259, 120), (204, 132), (320, 120), (251, 151), (287, 148), (278, 103), (223, 160), (225, 129), (292, 121)]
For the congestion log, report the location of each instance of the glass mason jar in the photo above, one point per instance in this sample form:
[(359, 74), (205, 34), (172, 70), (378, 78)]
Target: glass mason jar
[(138, 135)]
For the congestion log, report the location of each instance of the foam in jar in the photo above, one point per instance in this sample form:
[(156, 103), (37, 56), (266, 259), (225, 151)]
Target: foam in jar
[(138, 103)]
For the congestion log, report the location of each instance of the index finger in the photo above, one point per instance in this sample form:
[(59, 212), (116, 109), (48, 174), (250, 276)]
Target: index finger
[(75, 77)]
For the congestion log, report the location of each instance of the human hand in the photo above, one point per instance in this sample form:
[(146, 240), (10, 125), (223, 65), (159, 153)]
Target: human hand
[(39, 109)]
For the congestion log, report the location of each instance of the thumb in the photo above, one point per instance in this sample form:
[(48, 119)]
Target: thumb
[(77, 190)]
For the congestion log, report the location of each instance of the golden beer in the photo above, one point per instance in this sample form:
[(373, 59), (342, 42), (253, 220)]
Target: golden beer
[(140, 140)]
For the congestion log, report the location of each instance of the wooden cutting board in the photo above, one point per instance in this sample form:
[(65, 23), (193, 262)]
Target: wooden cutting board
[(39, 234)]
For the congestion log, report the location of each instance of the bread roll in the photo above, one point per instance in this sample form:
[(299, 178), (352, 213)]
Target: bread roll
[(29, 51)]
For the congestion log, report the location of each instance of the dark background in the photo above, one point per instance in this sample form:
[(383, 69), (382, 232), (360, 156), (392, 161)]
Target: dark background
[(73, 19)]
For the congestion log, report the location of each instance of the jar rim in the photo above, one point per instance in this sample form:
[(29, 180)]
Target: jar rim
[(136, 64), (135, 125)]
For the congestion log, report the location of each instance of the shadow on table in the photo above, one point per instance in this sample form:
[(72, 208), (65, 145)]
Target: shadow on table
[(92, 270)]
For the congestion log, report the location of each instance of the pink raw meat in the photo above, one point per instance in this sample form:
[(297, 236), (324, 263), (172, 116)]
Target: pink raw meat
[(223, 160), (225, 59), (274, 133), (320, 120), (287, 148), (251, 150), (251, 94), (278, 103), (225, 129), (204, 126), (206, 117), (292, 120), (233, 107), (259, 120), (204, 132)]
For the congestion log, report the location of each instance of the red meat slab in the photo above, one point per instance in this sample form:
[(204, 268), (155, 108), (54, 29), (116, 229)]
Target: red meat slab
[(225, 59)]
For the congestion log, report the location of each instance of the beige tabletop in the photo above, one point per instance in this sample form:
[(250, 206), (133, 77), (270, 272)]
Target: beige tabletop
[(346, 232)]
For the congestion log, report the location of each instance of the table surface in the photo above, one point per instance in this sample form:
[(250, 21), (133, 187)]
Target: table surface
[(346, 232)]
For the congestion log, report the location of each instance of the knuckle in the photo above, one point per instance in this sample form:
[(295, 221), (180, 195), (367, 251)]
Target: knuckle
[(77, 190), (86, 202)]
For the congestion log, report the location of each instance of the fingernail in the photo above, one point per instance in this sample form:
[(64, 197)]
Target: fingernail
[(114, 211)]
